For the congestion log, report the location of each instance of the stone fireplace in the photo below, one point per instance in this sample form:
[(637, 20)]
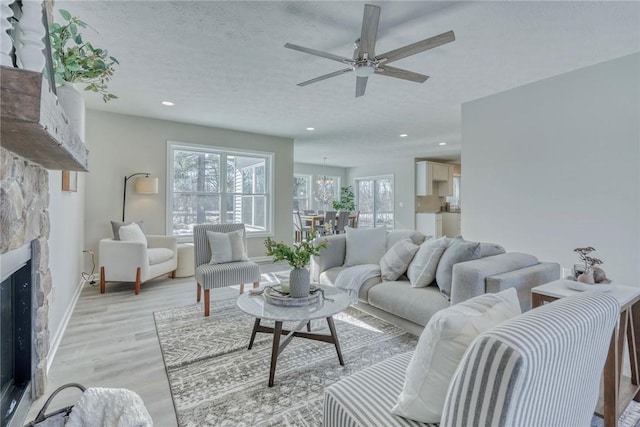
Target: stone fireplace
[(24, 221)]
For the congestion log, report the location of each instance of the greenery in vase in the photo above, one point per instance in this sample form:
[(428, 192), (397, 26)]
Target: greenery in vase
[(299, 254), (76, 60), (346, 202), (589, 262)]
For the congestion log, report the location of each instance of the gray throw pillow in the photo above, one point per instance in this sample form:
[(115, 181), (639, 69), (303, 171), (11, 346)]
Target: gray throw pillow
[(422, 270), (395, 262), (226, 247), (365, 245), (115, 226), (457, 251)]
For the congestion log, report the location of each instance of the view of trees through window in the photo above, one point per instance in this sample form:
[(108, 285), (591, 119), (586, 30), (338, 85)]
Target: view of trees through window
[(375, 202), (213, 186), (301, 190)]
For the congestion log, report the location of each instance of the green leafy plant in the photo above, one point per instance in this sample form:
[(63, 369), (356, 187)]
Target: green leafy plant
[(299, 254), (346, 202), (76, 60)]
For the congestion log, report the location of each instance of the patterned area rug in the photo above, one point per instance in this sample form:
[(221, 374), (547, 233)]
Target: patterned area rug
[(216, 381)]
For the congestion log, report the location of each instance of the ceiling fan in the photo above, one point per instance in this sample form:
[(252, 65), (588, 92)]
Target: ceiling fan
[(365, 62)]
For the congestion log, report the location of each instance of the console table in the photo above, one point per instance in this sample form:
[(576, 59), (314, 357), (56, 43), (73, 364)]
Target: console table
[(618, 390)]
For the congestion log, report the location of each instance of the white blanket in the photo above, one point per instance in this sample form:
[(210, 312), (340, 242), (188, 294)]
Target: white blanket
[(351, 279), (109, 407)]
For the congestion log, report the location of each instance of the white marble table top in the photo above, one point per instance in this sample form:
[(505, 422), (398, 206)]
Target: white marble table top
[(256, 306), (558, 289)]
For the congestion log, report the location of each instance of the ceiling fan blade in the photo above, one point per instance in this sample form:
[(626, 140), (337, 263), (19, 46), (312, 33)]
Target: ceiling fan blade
[(399, 73), (319, 53), (370, 21), (361, 85), (417, 47), (324, 77)]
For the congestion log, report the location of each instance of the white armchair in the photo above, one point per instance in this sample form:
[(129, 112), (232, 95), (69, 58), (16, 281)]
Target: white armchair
[(125, 261)]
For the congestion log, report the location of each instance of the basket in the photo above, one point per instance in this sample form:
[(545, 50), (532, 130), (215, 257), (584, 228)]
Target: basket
[(57, 418)]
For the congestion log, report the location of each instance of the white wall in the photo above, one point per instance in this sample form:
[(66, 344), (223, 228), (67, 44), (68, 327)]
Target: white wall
[(403, 172), (66, 240), (553, 165), (316, 171), (122, 145)]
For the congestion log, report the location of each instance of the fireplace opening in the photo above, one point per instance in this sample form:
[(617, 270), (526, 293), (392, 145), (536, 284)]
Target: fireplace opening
[(15, 340)]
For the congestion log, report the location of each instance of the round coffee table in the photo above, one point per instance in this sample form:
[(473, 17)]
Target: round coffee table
[(254, 305)]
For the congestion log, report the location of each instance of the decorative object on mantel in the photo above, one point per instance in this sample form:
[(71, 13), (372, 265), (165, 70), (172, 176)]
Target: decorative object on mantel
[(76, 60), (588, 272), (346, 202), (144, 185), (298, 257), (69, 180)]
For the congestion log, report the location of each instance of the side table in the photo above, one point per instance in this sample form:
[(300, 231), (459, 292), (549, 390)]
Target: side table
[(618, 390)]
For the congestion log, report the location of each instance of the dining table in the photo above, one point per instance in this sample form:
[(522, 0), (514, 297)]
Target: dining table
[(316, 220)]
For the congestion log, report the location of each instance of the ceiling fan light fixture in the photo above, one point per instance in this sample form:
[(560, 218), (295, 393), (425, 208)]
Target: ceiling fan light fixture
[(364, 70)]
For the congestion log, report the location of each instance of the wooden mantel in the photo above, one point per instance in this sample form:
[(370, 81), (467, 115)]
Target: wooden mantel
[(34, 125)]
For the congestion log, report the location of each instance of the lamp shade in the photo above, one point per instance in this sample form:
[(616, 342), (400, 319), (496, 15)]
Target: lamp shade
[(146, 185)]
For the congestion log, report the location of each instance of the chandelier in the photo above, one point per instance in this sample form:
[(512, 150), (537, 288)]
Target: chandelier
[(324, 189)]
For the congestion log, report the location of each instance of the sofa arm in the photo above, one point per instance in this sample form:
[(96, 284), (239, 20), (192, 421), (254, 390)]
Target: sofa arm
[(121, 259), (330, 257), (525, 279), (468, 279), (169, 242)]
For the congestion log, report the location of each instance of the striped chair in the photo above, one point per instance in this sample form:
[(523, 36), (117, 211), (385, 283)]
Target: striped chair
[(211, 276), (542, 368)]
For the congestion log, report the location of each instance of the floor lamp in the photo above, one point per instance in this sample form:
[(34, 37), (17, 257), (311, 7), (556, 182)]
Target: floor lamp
[(144, 185)]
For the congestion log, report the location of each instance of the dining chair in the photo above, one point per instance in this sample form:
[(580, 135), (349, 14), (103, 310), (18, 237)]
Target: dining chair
[(356, 220), (300, 228), (343, 221)]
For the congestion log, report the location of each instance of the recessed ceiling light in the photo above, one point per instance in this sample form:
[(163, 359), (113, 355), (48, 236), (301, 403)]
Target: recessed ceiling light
[(442, 143), (311, 128), (403, 135), (168, 103)]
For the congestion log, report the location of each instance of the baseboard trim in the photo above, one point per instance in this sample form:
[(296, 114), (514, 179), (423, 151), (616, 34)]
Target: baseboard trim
[(57, 338)]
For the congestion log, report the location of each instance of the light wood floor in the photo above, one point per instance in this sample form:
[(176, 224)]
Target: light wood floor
[(111, 341)]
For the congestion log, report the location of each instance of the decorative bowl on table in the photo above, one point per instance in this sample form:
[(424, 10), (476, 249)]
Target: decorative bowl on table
[(581, 287), (275, 296)]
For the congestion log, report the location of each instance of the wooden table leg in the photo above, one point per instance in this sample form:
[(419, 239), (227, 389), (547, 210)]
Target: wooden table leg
[(611, 382), (277, 331), (334, 335), (256, 324), (309, 326)]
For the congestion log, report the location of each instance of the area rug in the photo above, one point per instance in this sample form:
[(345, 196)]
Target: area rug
[(216, 381)]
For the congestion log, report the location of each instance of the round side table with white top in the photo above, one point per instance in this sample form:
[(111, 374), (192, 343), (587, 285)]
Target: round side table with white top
[(333, 302)]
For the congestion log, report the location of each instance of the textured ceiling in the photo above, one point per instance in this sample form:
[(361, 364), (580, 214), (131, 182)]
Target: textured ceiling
[(223, 64)]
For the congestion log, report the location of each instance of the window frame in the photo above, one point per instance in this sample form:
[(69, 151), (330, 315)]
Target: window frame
[(308, 189), (223, 152), (375, 178)]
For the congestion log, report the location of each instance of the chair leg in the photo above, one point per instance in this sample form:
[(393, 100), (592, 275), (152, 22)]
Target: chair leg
[(256, 284), (173, 274), (241, 288), (138, 283), (198, 293), (102, 281), (206, 302)]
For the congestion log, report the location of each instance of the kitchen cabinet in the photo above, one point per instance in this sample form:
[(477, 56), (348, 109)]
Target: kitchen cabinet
[(451, 224), (424, 179), (440, 172), (429, 224), (434, 179), (445, 188)]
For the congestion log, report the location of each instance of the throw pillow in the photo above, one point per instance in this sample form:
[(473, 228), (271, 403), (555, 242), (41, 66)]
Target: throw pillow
[(394, 236), (422, 270), (441, 347), (132, 233), (395, 262), (457, 251), (115, 227), (226, 247), (365, 245)]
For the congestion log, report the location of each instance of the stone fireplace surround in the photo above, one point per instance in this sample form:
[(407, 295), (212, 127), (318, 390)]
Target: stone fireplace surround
[(24, 219)]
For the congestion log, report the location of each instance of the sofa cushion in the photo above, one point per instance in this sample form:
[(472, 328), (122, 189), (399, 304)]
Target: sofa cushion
[(490, 249), (441, 347), (457, 251), (394, 236), (395, 262), (414, 304), (422, 270), (132, 233), (227, 247), (328, 277), (159, 255), (365, 246)]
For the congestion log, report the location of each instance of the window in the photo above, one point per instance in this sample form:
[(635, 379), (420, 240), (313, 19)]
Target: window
[(301, 192), (216, 185), (454, 200), (375, 201)]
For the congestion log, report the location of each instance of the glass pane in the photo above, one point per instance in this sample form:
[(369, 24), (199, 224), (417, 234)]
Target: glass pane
[(190, 209), (260, 212), (301, 185), (365, 203), (246, 174), (196, 171), (384, 203)]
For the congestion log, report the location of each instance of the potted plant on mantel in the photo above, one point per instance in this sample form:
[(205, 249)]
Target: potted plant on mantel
[(346, 202), (77, 61), (298, 256)]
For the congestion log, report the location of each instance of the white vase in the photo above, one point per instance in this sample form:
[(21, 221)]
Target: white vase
[(73, 104)]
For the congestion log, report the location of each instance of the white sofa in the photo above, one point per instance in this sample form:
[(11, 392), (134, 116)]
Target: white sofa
[(412, 308)]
